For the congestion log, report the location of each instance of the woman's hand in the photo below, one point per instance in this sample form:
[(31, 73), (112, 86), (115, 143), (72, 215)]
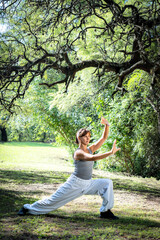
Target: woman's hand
[(114, 148), (104, 121)]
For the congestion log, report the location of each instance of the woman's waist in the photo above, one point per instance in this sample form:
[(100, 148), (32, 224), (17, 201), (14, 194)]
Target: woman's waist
[(79, 178)]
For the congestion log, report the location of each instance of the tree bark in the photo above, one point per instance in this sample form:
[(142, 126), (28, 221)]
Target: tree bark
[(158, 116), (43, 137), (4, 137)]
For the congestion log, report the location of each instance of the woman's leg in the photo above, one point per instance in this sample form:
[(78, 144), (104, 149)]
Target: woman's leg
[(104, 188), (67, 192)]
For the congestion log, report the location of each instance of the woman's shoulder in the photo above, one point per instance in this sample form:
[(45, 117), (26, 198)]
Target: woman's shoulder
[(79, 150), (79, 153)]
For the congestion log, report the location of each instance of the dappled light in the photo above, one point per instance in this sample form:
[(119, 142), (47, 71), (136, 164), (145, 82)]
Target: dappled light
[(80, 114), (136, 203)]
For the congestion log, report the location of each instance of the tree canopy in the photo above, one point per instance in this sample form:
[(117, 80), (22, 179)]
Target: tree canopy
[(67, 63), (71, 35)]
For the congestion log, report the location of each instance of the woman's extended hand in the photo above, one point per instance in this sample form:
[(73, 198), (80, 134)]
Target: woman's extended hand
[(114, 148), (104, 121)]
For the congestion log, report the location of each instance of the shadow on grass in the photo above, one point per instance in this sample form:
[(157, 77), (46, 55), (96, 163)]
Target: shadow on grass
[(130, 185), (27, 177), (51, 177), (75, 225), (93, 219), (11, 201), (22, 236), (134, 186)]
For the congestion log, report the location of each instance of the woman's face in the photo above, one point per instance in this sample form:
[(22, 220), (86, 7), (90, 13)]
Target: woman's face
[(85, 139)]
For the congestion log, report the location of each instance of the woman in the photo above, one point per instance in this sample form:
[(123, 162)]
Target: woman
[(80, 182)]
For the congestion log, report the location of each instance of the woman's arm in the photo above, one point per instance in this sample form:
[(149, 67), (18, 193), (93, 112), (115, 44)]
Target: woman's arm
[(94, 147), (81, 155)]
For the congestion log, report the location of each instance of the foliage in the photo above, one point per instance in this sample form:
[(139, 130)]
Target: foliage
[(115, 43), (69, 36), (132, 119), (36, 122)]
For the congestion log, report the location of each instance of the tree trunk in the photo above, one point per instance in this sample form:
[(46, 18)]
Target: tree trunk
[(154, 101), (4, 137), (20, 136), (44, 137), (158, 116)]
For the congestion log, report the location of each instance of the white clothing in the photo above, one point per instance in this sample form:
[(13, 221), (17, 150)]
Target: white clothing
[(73, 188)]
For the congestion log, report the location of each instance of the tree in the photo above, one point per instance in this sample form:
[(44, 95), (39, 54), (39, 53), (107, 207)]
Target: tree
[(3, 134), (3, 129), (116, 36)]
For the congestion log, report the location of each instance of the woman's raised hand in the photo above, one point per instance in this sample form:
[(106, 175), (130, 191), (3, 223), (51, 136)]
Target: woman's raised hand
[(104, 121), (114, 148)]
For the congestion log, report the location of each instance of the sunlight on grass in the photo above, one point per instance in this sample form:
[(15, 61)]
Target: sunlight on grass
[(35, 156), (32, 171)]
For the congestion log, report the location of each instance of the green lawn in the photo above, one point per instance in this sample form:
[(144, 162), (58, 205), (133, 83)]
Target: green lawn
[(31, 171)]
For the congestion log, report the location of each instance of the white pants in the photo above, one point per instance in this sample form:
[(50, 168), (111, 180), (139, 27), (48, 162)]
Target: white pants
[(73, 188)]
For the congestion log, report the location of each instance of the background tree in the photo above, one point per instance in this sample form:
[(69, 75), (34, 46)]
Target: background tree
[(52, 34), (132, 120), (115, 43)]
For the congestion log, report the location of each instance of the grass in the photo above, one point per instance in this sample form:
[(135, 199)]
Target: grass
[(31, 156), (31, 171)]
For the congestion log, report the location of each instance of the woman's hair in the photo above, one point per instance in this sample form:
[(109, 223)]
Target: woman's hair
[(81, 132)]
